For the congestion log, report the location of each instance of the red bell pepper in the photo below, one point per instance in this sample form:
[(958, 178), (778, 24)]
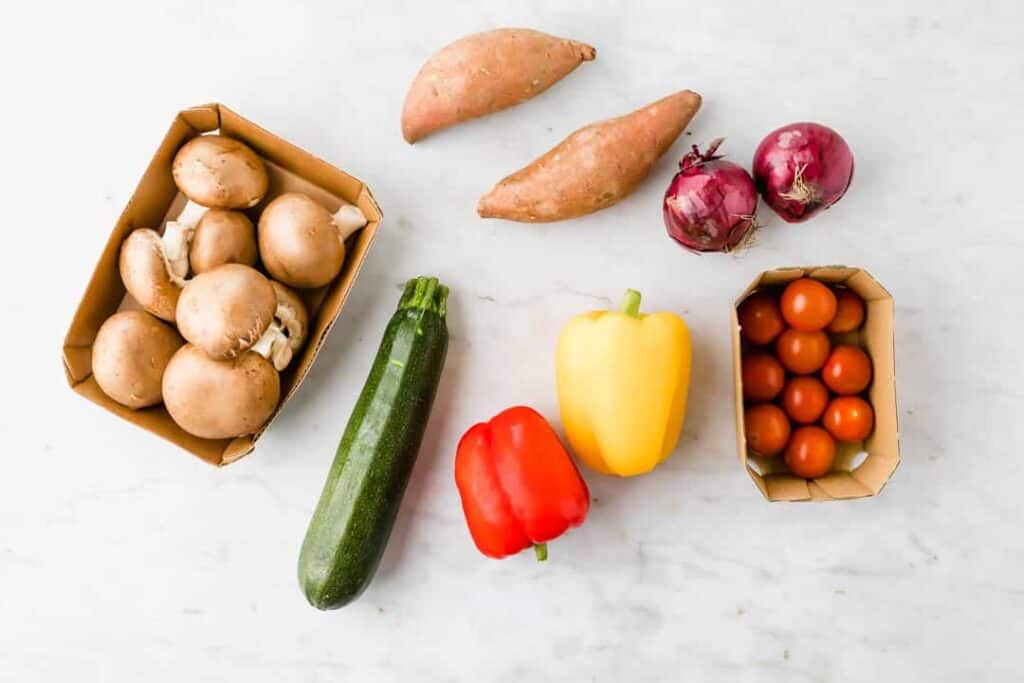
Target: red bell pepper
[(519, 487)]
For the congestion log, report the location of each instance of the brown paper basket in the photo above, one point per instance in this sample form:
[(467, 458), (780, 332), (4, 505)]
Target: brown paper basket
[(155, 200), (855, 476)]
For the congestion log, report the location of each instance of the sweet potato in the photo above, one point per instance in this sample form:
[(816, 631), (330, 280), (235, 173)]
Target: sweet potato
[(593, 168), (484, 73)]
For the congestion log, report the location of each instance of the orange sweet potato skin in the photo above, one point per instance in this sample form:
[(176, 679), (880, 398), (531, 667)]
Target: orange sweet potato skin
[(484, 73), (594, 167)]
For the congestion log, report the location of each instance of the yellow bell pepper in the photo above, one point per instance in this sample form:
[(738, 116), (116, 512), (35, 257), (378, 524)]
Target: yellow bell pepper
[(623, 377)]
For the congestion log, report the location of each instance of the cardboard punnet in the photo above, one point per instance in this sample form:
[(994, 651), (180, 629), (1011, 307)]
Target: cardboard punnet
[(157, 200), (854, 475)]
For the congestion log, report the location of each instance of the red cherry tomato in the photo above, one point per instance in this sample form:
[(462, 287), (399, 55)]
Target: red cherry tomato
[(760, 318), (847, 370), (849, 419), (763, 376), (802, 352), (804, 399), (810, 452), (808, 305), (767, 429), (849, 312)]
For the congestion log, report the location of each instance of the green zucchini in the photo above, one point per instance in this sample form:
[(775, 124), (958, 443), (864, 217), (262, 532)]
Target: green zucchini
[(367, 479)]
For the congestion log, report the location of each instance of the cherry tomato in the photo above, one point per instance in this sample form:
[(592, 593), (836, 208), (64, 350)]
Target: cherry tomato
[(847, 370), (760, 318), (849, 312), (808, 305), (802, 352), (763, 376), (810, 452), (849, 418), (804, 399), (767, 429)]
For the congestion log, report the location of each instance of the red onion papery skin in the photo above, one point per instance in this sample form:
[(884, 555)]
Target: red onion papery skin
[(802, 169), (710, 203)]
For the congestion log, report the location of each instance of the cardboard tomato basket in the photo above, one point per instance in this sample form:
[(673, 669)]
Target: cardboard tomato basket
[(157, 200), (861, 469)]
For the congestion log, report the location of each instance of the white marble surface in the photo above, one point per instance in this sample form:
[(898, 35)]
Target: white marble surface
[(123, 559)]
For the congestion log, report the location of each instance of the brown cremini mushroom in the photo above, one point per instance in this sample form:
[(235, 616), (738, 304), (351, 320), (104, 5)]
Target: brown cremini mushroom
[(129, 356), (220, 399), (301, 243), (226, 310), (148, 274), (220, 173), (222, 236)]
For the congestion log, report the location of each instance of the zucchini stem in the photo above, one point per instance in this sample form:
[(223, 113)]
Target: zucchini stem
[(425, 293)]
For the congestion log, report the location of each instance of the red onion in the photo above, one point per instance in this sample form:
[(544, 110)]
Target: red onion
[(801, 169), (710, 203)]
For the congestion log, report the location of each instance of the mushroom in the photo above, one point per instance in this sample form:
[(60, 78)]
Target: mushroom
[(148, 273), (222, 236), (129, 356), (220, 172), (154, 266), (220, 399), (287, 332), (226, 310), (301, 243)]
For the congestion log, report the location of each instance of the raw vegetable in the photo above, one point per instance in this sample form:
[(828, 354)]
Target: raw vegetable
[(518, 485), (226, 310), (594, 167), (760, 318), (808, 305), (129, 356), (804, 399), (847, 370), (822, 409), (810, 452), (220, 172), (623, 378), (802, 352), (763, 376), (710, 203), (367, 479), (220, 399), (801, 169), (849, 419), (302, 244), (849, 312), (222, 236), (767, 429), (148, 275), (484, 73)]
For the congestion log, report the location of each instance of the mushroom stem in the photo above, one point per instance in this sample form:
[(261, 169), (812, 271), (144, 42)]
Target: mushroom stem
[(348, 219), (191, 213), (176, 240), (283, 336), (174, 246)]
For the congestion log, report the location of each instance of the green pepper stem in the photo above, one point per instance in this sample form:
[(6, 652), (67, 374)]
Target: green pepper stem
[(541, 550), (631, 303)]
